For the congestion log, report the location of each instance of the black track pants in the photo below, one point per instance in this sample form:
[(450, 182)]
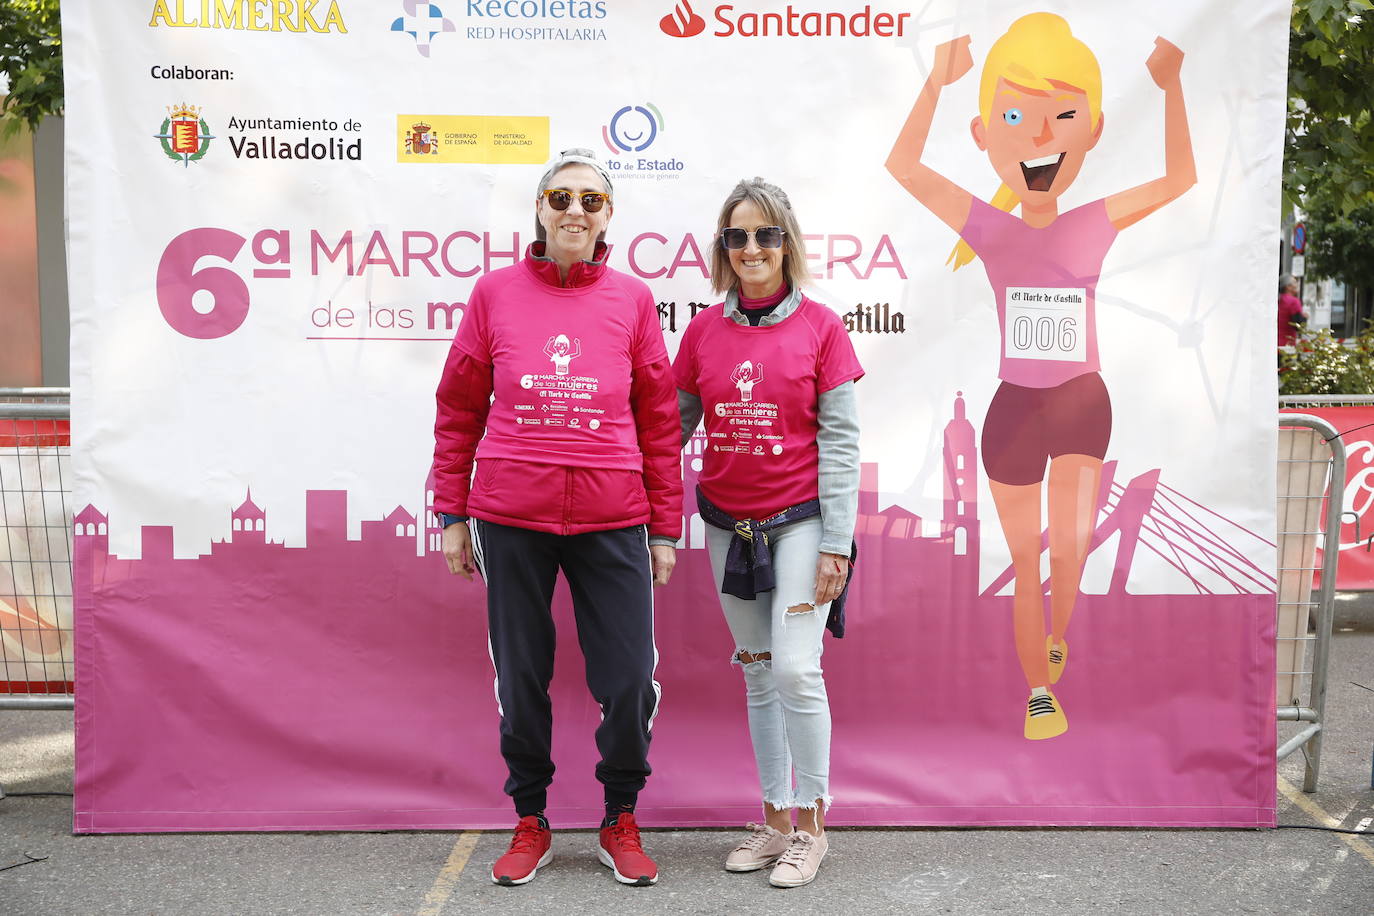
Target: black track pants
[(609, 575)]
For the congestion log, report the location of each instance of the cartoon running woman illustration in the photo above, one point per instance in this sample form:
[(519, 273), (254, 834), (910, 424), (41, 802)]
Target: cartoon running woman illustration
[(1039, 114), (746, 375), (562, 351)]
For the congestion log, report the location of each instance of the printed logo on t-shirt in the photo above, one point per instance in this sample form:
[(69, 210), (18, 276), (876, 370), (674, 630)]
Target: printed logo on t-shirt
[(752, 426), (561, 399), (562, 351), (745, 376)]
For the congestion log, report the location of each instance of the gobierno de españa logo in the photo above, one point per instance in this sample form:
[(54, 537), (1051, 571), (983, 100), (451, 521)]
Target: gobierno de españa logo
[(184, 134), (421, 140), (682, 22)]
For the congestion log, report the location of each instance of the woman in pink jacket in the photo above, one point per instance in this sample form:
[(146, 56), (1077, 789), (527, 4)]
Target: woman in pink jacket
[(559, 385)]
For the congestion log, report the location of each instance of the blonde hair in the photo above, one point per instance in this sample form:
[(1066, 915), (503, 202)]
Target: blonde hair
[(772, 200), (1040, 53)]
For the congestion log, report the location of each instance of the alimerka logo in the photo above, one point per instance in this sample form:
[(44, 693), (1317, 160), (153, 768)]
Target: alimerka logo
[(184, 134), (683, 22), (252, 15)]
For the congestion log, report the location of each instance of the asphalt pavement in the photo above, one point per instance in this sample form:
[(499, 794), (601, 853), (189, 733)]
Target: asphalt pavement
[(46, 871)]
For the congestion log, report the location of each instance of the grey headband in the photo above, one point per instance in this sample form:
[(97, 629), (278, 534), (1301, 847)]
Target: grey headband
[(577, 155)]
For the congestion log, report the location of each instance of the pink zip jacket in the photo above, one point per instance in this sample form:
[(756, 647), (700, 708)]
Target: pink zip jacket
[(564, 395)]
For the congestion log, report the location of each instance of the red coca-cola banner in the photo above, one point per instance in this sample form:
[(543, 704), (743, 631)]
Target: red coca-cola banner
[(1355, 427)]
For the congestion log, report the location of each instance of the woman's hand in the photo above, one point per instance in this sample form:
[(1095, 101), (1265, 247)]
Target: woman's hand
[(457, 545), (664, 559), (952, 60), (831, 571), (1165, 63)]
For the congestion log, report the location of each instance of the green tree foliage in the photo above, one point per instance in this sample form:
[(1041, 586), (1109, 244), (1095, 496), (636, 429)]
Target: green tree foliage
[(1341, 245), (31, 56), (1329, 153)]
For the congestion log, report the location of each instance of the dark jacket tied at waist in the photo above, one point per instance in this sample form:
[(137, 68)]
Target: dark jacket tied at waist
[(749, 560)]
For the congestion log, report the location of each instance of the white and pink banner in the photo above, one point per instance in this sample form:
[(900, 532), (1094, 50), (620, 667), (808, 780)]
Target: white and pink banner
[(277, 211)]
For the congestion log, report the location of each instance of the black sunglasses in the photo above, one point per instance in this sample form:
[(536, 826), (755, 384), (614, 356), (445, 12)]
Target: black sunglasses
[(560, 199), (764, 236)]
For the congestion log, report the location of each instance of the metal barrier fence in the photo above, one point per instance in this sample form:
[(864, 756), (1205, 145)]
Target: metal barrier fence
[(1325, 400), (36, 558), (1300, 402), (35, 549), (1311, 468)]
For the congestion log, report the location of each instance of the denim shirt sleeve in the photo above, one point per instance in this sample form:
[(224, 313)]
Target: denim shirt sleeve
[(838, 443), (689, 406)]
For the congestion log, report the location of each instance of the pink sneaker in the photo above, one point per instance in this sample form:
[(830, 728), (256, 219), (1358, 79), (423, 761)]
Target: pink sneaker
[(761, 848), (621, 851), (800, 862)]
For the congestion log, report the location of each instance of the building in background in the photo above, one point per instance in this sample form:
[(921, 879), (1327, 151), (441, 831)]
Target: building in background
[(21, 356), (34, 325)]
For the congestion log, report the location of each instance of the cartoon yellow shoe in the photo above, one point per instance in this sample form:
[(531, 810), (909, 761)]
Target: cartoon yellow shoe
[(1058, 657), (1044, 716)]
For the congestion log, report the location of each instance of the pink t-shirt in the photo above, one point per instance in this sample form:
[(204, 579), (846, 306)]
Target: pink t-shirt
[(561, 363), (759, 389), (1046, 285)]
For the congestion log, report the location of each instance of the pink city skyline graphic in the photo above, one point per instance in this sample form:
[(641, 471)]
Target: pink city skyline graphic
[(280, 683), (1210, 552)]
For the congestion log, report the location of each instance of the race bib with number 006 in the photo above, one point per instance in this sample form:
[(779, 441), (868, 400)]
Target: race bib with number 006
[(1046, 323)]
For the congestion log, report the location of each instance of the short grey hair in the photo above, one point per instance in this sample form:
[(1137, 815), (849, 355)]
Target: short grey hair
[(578, 155), (773, 201), (1286, 281)]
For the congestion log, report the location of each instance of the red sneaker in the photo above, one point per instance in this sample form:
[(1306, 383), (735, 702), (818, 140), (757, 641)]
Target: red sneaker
[(621, 852), (529, 851)]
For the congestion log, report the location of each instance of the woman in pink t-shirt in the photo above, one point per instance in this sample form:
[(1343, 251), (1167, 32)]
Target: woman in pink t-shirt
[(773, 373), (1039, 116)]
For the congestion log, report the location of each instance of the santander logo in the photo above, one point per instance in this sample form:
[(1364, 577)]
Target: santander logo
[(682, 22), (789, 22)]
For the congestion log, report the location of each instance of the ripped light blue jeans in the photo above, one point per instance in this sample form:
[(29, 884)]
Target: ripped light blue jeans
[(789, 712)]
